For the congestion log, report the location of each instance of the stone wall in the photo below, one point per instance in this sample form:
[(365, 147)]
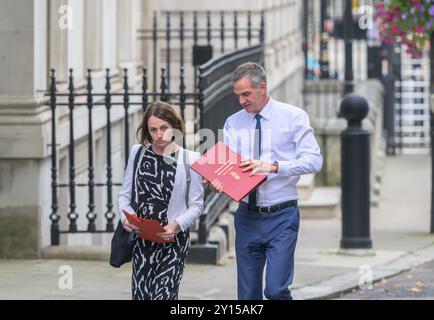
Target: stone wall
[(328, 130)]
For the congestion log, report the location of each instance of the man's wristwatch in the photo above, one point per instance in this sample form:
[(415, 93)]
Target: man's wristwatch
[(277, 166)]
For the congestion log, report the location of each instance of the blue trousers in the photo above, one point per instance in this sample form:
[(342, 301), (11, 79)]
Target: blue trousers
[(265, 239)]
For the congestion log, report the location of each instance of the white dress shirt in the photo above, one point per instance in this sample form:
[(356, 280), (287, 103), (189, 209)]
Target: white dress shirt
[(287, 138), (177, 210)]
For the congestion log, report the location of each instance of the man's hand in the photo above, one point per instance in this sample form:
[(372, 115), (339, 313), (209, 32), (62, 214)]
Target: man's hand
[(205, 183), (258, 166), (171, 230), (215, 185)]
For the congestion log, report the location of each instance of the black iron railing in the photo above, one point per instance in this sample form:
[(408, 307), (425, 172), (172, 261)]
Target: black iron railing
[(213, 99), (73, 100), (217, 102), (206, 33)]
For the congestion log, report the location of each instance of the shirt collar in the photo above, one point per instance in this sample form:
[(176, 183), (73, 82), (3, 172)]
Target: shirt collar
[(265, 112)]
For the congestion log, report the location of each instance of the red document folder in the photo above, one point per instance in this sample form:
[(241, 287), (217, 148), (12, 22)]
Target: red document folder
[(222, 163), (148, 228)]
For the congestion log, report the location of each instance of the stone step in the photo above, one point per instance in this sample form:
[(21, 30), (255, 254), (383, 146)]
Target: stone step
[(221, 239), (305, 186), (324, 202)]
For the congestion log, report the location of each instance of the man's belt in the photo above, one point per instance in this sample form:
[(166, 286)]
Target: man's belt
[(274, 208)]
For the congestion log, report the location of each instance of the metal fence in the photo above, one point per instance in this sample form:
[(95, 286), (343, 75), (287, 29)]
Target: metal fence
[(75, 99), (211, 100), (412, 110), (218, 102), (191, 38)]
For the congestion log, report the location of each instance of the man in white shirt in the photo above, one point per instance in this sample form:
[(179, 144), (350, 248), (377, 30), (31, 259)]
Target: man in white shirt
[(277, 139)]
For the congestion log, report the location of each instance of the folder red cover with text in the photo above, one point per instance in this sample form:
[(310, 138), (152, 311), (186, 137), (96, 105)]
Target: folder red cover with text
[(148, 228), (222, 163)]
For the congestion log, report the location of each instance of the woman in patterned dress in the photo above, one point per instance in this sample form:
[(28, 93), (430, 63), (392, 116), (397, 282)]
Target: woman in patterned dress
[(155, 187)]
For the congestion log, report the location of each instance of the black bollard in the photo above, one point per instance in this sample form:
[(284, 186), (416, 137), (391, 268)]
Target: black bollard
[(355, 163)]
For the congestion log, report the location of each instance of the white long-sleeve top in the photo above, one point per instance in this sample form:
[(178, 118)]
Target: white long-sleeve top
[(177, 210), (287, 138)]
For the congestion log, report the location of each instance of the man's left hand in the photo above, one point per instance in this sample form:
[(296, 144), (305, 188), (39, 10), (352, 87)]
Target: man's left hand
[(258, 166)]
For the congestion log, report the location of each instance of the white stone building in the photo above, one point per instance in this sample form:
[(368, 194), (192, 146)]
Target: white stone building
[(36, 35)]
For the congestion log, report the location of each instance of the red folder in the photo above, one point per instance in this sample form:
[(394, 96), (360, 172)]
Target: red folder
[(148, 228), (222, 163)]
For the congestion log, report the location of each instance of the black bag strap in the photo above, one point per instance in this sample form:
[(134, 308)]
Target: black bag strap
[(133, 204)]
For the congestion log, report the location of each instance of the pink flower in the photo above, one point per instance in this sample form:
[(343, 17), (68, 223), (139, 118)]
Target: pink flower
[(407, 22)]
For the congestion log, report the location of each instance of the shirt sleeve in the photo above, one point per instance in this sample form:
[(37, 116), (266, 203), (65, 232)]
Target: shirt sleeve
[(124, 197), (308, 156), (228, 136), (195, 200)]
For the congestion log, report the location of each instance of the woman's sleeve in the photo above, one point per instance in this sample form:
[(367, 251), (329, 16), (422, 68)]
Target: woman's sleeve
[(124, 197), (195, 200)]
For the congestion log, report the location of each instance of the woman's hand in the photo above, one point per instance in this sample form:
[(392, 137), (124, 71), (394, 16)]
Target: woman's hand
[(171, 230), (215, 186), (128, 226)]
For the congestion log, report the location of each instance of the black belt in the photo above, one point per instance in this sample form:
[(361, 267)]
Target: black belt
[(277, 207)]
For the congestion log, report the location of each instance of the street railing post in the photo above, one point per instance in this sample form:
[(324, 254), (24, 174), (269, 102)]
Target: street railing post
[(355, 175)]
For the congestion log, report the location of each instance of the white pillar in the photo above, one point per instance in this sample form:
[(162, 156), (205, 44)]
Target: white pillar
[(24, 128), (92, 35), (109, 34)]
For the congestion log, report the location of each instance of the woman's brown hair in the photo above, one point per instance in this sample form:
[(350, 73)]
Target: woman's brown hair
[(163, 111)]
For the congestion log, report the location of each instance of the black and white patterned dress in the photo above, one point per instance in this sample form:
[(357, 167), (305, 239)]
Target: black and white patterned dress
[(157, 267)]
